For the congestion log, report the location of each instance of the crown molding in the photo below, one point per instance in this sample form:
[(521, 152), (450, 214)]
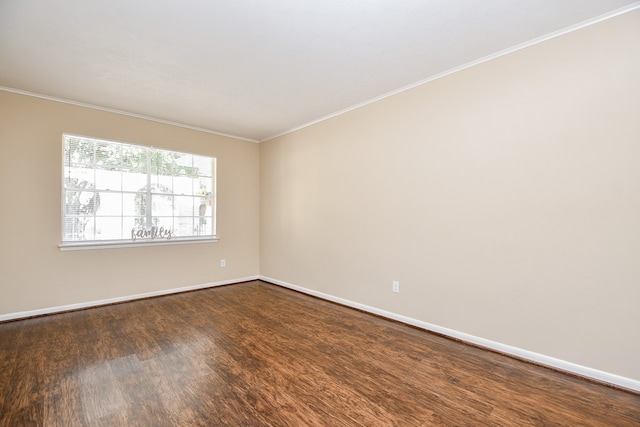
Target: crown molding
[(123, 113), (471, 64)]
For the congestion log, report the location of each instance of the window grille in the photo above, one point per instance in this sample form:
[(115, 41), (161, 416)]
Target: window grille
[(126, 193)]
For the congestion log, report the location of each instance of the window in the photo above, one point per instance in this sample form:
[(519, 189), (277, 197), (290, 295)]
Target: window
[(117, 193)]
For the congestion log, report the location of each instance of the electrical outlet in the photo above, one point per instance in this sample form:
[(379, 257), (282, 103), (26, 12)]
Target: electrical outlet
[(396, 286), (223, 263)]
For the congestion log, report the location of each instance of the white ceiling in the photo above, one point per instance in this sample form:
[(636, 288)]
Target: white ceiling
[(255, 69)]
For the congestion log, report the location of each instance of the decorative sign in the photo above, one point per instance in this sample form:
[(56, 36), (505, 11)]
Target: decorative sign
[(152, 233)]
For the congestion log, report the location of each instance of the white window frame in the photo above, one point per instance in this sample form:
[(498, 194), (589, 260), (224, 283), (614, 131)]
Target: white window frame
[(152, 237)]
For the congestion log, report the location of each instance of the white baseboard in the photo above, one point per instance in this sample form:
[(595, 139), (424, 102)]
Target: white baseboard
[(492, 345), (52, 310)]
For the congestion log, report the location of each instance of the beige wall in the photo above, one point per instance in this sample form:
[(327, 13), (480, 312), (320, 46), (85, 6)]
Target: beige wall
[(35, 274), (504, 198)]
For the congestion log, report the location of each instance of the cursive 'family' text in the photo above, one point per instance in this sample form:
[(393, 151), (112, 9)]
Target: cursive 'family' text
[(151, 233)]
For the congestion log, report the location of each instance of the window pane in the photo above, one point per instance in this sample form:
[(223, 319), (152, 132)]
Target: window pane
[(79, 151), (183, 206), (128, 224), (131, 204), (71, 206), (203, 222), (69, 228), (108, 180), (183, 185), (184, 165), (204, 186), (162, 184), (81, 202), (134, 181), (163, 162), (110, 204), (78, 177), (183, 226), (108, 155), (134, 159), (79, 227), (204, 228), (202, 165), (162, 205), (109, 228)]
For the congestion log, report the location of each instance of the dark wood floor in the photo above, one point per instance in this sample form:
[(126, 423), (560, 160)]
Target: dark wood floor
[(255, 354)]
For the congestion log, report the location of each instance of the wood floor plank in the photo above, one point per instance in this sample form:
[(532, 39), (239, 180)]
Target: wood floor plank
[(23, 401), (255, 354)]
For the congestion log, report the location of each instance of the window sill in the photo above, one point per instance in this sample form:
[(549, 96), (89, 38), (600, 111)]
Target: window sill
[(114, 244)]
